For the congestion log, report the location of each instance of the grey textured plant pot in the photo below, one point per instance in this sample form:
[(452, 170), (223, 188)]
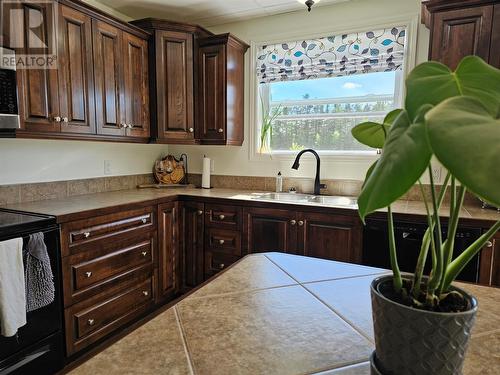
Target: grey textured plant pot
[(418, 342)]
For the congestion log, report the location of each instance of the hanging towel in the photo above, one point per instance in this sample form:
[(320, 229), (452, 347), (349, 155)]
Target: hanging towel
[(40, 289), (12, 293)]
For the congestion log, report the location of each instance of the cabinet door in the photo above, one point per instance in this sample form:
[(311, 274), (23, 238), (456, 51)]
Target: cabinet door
[(168, 260), (174, 90), (331, 237), (489, 272), (38, 91), (108, 72), (462, 32), (212, 94), (193, 222), (135, 66), (269, 230), (76, 76), (495, 38)]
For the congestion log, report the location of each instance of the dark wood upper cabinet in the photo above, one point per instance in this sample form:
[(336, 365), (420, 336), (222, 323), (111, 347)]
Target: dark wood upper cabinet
[(38, 89), (108, 73), (332, 237), (220, 90), (76, 73), (168, 260), (136, 85), (462, 28)]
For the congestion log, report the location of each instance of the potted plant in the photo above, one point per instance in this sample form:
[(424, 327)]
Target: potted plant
[(422, 323)]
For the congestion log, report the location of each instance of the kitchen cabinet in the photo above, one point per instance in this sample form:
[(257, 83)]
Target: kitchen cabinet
[(193, 235), (220, 90), (489, 271), (99, 89), (461, 28), (333, 237), (75, 72), (168, 251)]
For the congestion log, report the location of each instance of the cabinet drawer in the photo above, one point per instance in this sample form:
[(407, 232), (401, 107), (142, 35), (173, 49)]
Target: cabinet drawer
[(94, 271), (86, 234), (216, 262), (224, 241), (87, 324), (222, 216)]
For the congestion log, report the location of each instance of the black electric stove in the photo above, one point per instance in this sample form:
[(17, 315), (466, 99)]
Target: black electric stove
[(38, 346)]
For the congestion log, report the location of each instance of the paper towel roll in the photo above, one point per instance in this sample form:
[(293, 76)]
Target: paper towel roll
[(205, 179)]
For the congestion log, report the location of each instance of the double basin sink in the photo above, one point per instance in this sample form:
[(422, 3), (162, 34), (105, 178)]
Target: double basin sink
[(330, 200)]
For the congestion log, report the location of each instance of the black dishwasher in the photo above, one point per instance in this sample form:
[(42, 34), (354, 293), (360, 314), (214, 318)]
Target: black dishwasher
[(408, 241)]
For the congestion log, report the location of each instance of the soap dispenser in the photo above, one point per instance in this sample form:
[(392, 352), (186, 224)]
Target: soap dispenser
[(279, 183)]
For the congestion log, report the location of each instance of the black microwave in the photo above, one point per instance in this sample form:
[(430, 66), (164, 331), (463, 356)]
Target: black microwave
[(9, 111)]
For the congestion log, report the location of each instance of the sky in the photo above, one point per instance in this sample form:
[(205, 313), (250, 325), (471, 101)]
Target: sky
[(337, 87)]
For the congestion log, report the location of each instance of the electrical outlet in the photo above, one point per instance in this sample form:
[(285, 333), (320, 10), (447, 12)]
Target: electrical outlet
[(107, 167), (436, 174), (212, 166)]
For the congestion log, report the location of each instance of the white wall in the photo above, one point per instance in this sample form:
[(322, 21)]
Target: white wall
[(25, 161), (349, 16)]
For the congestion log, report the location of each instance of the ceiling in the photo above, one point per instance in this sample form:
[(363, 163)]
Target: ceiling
[(207, 12)]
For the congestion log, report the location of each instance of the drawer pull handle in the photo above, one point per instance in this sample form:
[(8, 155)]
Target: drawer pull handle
[(65, 119), (221, 242), (86, 234), (57, 118), (145, 293), (221, 217), (88, 274), (144, 253), (293, 222), (489, 244), (222, 265), (200, 212), (301, 223), (91, 322), (144, 220)]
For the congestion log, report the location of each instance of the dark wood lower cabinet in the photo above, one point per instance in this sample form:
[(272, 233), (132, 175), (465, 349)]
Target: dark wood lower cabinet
[(489, 272), (192, 234), (168, 254)]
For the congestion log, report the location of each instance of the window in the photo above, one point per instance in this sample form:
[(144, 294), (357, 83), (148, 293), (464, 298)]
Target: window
[(312, 93)]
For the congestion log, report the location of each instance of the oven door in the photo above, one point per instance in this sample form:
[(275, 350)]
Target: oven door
[(43, 322)]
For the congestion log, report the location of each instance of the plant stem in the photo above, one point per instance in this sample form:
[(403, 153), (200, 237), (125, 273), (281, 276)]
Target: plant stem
[(397, 281), (438, 270), (461, 261), (452, 230)]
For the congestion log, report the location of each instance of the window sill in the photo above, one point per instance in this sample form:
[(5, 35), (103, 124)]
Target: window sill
[(326, 156)]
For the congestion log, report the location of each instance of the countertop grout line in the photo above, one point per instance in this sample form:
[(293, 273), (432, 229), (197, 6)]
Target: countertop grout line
[(348, 322), (194, 297), (345, 278), (184, 342), (486, 333)]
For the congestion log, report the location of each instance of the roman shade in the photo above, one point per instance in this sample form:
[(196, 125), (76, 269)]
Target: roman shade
[(364, 52)]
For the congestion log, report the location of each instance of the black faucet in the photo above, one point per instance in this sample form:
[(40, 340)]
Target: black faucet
[(317, 185)]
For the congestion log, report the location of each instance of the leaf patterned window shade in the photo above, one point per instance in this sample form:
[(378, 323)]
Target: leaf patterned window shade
[(356, 53)]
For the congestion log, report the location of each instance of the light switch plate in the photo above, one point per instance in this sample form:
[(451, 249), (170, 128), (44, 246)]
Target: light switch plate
[(107, 167)]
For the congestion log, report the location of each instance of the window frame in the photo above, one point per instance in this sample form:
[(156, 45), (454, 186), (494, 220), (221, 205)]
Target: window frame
[(411, 22)]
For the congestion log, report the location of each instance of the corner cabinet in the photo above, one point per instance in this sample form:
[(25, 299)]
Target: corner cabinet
[(489, 273), (99, 90), (220, 100), (462, 28)]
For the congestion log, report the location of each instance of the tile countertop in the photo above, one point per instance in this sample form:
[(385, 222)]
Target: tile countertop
[(65, 209), (277, 314)]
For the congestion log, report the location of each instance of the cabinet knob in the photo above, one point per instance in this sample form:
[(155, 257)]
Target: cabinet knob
[(222, 265), (57, 119), (123, 126), (221, 242), (88, 274), (91, 322), (144, 253), (191, 130), (200, 212), (65, 119), (130, 126), (86, 234), (221, 130), (144, 220), (293, 222), (301, 223), (489, 244), (221, 217), (145, 293)]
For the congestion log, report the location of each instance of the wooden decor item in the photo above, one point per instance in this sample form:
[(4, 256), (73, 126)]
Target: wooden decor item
[(169, 171)]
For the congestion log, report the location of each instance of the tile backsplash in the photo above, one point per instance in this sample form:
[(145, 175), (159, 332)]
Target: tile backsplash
[(10, 194)]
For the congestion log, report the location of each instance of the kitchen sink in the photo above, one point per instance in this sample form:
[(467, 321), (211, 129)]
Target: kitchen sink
[(329, 200)]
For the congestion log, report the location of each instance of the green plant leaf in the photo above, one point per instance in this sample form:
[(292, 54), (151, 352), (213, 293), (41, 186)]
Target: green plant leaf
[(433, 82), (465, 138), (373, 134), (405, 157)]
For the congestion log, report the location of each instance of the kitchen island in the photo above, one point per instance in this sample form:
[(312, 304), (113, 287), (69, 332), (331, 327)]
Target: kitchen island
[(277, 313)]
